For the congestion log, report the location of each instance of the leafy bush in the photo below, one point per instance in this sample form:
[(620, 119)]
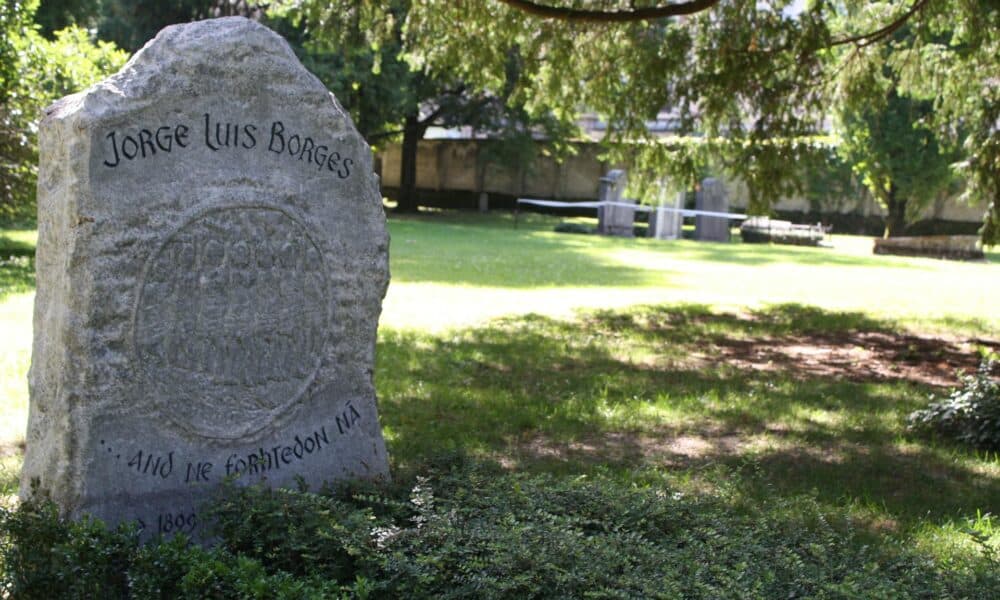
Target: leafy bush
[(970, 414), (35, 71), (294, 532), (472, 530), (43, 556)]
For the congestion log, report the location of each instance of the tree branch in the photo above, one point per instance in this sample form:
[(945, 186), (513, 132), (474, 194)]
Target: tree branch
[(867, 39), (429, 119), (382, 134), (564, 13)]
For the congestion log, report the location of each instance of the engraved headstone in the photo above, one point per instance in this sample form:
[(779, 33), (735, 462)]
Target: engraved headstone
[(712, 198), (212, 257), (614, 220)]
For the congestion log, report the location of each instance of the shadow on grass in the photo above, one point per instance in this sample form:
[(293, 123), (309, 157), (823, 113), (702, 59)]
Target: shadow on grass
[(907, 484), (761, 254), (806, 342), (686, 321), (622, 390)]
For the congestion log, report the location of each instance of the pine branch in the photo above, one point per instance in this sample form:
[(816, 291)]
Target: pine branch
[(610, 16), (867, 39)]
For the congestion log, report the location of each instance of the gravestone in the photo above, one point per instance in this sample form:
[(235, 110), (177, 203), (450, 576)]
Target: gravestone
[(614, 220), (951, 247), (711, 197), (666, 224), (212, 256)]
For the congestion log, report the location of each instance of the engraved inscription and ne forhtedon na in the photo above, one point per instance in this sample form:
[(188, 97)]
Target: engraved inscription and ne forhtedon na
[(233, 312)]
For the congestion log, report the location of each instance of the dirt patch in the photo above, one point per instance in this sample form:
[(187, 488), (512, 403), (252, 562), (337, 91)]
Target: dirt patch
[(662, 447), (783, 451), (854, 356)]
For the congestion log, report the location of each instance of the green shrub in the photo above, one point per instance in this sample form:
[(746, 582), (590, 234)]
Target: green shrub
[(465, 529), (294, 532), (970, 414), (222, 576), (44, 556), (35, 71), (156, 569), (486, 534)]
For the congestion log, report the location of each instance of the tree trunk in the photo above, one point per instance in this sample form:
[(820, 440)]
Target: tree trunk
[(413, 131), (895, 220)]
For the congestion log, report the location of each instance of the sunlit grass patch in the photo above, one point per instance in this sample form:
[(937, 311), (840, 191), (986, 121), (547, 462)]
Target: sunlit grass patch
[(15, 356), (466, 269), (18, 241)]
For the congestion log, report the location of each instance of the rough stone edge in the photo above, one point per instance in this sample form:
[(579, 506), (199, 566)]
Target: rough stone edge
[(160, 53), (46, 460)]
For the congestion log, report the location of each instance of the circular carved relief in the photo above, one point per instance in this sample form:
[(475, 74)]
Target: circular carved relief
[(232, 313)]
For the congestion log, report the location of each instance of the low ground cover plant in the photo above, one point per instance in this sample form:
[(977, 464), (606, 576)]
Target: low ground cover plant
[(970, 414), (466, 528)]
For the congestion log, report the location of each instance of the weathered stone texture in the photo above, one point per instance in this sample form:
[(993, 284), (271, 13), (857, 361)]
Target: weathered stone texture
[(712, 198), (615, 220), (212, 256)]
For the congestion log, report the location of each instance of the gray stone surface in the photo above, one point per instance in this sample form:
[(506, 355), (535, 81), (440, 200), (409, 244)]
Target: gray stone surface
[(212, 257), (666, 224), (711, 197), (614, 220)]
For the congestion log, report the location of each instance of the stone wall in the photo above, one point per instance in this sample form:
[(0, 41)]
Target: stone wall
[(449, 174), (454, 166)]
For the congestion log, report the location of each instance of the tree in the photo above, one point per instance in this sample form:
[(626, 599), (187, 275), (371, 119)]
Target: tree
[(952, 61), (357, 49), (386, 97), (15, 148), (132, 23), (34, 72), (897, 155), (53, 15), (751, 80), (739, 101)]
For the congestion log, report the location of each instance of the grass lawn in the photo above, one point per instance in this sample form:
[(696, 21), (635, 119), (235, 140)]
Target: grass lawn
[(775, 372), (457, 269)]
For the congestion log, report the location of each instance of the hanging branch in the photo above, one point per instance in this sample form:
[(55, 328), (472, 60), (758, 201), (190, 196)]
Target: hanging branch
[(610, 16), (564, 13), (867, 39)]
